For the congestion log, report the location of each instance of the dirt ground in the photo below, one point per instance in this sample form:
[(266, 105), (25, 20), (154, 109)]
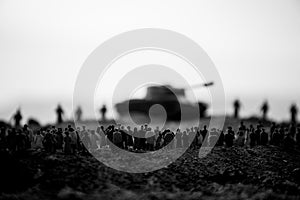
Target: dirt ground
[(226, 173)]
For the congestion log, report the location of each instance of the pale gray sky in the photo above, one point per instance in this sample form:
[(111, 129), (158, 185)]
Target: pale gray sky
[(254, 44)]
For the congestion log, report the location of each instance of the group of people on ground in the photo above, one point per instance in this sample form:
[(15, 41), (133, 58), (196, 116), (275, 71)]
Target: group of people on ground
[(72, 140)]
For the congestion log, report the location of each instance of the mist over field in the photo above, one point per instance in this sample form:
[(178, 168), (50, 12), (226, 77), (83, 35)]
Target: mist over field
[(253, 44)]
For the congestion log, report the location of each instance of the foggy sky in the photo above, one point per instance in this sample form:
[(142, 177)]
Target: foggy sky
[(254, 44)]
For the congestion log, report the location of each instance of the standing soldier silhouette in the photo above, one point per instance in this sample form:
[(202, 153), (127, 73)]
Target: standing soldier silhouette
[(59, 113), (78, 113), (103, 111), (18, 117), (264, 109), (294, 111), (236, 106)]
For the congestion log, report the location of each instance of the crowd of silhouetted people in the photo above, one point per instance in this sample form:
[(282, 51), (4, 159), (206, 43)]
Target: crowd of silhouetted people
[(70, 140)]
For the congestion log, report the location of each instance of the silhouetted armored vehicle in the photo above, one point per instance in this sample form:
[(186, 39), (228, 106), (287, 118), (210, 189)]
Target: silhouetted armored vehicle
[(172, 99)]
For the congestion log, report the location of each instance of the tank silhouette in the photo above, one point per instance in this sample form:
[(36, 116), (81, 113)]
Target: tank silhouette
[(172, 99)]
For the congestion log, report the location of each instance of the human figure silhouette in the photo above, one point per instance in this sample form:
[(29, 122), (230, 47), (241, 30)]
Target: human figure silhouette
[(117, 140), (17, 118), (73, 137), (169, 136), (67, 141), (240, 140), (242, 126), (185, 139), (109, 133), (59, 139), (204, 132), (264, 109), (124, 136), (129, 137), (78, 113), (178, 138), (257, 134), (213, 137), (293, 111), (142, 133), (236, 106), (103, 111), (221, 139), (102, 137), (38, 140), (272, 130), (93, 139), (59, 112), (150, 139), (191, 136), (86, 140), (264, 138), (136, 138), (21, 139), (229, 137), (48, 142), (276, 137)]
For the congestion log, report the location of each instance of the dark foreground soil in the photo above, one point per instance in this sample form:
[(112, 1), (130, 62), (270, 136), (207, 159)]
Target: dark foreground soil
[(226, 173)]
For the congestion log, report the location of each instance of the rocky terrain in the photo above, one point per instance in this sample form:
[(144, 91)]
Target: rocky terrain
[(226, 173)]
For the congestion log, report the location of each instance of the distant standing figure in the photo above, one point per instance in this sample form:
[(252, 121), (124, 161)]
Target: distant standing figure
[(78, 113), (264, 137), (242, 127), (240, 140), (102, 137), (48, 142), (221, 139), (38, 140), (86, 140), (178, 138), (136, 138), (142, 139), (192, 135), (168, 140), (257, 134), (264, 109), (229, 137), (18, 117), (94, 140), (150, 139), (67, 141), (59, 139), (73, 137), (118, 142), (204, 132), (59, 113), (294, 111), (252, 138), (213, 137), (236, 106), (129, 137), (185, 139), (103, 111)]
